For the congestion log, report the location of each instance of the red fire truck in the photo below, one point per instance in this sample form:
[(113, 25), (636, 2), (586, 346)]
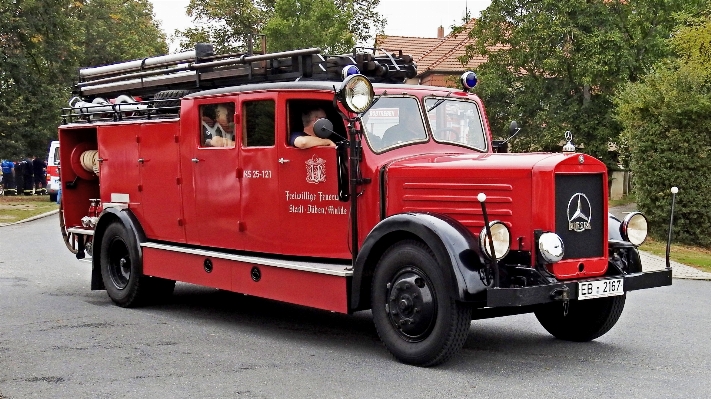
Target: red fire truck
[(415, 213)]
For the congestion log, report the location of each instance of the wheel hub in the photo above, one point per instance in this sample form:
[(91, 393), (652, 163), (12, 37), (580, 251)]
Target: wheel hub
[(119, 264), (411, 305)]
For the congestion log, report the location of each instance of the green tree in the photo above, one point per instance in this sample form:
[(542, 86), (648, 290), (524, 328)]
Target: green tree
[(306, 23), (556, 66), (38, 63), (117, 31), (665, 116), (227, 24), (44, 42)]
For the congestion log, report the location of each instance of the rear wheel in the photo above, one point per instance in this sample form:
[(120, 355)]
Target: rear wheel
[(584, 321), (413, 313), (122, 271)]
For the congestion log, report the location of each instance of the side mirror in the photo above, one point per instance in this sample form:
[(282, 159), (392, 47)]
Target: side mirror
[(323, 128), (513, 128)]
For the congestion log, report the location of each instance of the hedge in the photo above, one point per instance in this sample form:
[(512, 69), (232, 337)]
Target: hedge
[(667, 122)]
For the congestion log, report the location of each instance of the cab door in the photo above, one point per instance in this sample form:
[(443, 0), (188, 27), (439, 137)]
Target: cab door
[(314, 222), (213, 170), (259, 227)]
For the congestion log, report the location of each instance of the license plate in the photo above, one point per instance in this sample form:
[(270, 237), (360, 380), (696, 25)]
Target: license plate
[(600, 288)]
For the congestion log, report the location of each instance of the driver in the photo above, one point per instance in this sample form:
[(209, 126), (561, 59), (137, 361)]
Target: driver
[(409, 128), (307, 138)]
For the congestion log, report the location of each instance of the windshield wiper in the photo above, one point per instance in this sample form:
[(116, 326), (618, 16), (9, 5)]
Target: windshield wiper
[(439, 102)]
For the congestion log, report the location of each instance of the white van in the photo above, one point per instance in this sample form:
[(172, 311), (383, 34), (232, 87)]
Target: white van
[(53, 171)]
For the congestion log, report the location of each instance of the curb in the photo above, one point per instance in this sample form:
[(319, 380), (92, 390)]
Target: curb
[(50, 213)]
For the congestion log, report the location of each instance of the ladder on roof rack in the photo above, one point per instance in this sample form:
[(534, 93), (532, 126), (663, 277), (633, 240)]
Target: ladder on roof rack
[(200, 69)]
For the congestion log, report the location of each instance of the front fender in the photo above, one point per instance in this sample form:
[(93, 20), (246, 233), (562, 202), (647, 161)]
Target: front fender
[(452, 244), (130, 223)]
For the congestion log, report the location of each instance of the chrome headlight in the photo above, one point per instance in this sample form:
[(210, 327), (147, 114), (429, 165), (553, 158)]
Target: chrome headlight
[(356, 93), (550, 245), (634, 228), (502, 240)]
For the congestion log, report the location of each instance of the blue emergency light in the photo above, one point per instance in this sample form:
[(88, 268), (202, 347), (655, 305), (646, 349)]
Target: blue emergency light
[(468, 80)]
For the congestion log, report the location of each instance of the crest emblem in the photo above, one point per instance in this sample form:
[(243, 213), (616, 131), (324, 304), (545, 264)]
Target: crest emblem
[(579, 213), (316, 170)]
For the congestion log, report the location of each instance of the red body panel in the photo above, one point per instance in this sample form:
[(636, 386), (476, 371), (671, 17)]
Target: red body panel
[(161, 182), (316, 290)]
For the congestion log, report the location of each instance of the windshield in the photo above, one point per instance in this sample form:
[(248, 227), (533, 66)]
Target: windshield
[(394, 121), (456, 121)]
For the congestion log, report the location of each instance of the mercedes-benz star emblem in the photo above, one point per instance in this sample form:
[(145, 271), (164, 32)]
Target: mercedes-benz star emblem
[(579, 213)]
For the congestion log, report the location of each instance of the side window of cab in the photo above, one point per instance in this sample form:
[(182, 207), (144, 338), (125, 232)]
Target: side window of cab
[(258, 129), (217, 128)]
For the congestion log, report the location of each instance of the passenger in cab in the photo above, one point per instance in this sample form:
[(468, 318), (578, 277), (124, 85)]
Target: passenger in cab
[(218, 125), (308, 138)]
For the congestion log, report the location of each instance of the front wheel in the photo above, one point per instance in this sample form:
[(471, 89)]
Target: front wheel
[(415, 317), (584, 321)]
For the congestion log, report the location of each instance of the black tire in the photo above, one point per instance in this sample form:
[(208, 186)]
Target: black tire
[(428, 326), (122, 271), (585, 321), (168, 101)]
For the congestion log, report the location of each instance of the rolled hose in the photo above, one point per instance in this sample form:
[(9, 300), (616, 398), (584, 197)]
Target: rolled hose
[(84, 161)]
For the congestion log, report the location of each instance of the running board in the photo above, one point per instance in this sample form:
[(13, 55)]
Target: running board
[(313, 284), (333, 269)]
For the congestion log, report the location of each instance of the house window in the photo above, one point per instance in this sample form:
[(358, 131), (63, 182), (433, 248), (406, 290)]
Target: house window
[(259, 125)]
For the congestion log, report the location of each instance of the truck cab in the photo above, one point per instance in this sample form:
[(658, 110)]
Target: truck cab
[(411, 213)]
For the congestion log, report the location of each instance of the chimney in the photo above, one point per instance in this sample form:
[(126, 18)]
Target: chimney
[(440, 32)]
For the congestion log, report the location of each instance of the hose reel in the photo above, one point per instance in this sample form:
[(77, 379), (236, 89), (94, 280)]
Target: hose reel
[(85, 161)]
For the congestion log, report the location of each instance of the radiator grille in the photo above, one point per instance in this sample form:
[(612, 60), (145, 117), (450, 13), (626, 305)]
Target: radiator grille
[(579, 214)]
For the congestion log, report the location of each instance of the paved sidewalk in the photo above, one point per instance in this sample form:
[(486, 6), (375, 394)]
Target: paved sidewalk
[(653, 262)]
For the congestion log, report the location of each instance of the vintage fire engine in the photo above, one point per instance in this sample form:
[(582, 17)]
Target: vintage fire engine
[(179, 168)]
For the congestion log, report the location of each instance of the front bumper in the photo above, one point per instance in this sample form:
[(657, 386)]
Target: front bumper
[(523, 296)]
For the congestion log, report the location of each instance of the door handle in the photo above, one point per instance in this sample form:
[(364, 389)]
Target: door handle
[(195, 160), (283, 161)]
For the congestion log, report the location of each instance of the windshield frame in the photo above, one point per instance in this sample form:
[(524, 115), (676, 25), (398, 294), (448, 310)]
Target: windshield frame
[(423, 121), (480, 114)]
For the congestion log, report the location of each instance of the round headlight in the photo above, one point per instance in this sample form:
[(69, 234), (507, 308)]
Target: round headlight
[(550, 245), (634, 228), (356, 93), (502, 240)]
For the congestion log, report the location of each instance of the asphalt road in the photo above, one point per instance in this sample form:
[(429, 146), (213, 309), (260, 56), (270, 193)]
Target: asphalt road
[(58, 339)]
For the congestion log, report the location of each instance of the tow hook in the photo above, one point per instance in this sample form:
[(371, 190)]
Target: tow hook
[(562, 294)]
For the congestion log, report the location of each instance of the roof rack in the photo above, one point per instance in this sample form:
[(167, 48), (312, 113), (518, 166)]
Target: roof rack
[(201, 69)]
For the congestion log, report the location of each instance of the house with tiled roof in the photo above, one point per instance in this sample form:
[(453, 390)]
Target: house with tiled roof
[(437, 58)]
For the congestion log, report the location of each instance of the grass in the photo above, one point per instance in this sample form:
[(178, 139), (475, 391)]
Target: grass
[(626, 200), (699, 258), (14, 209)]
